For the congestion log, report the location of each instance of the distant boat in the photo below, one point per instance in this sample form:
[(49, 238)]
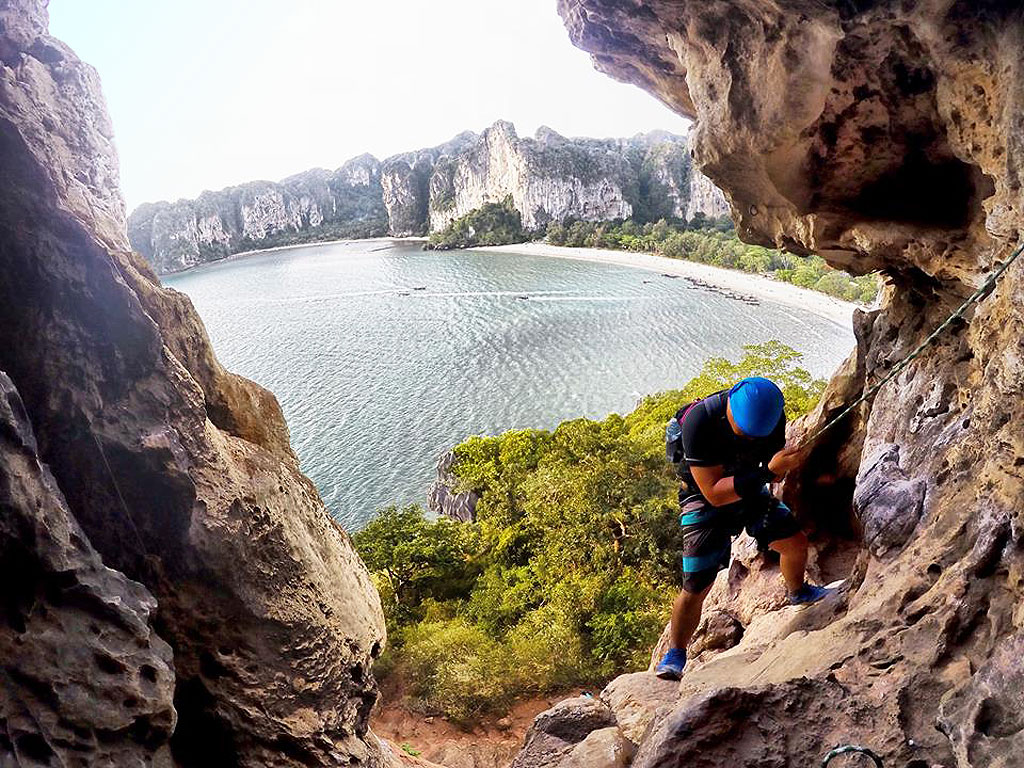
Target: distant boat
[(666, 274), (420, 288), (522, 296)]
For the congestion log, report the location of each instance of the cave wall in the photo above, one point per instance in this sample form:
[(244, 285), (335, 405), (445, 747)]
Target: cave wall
[(161, 538), (881, 135)]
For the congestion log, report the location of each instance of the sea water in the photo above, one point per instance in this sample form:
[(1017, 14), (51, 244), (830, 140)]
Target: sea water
[(383, 355)]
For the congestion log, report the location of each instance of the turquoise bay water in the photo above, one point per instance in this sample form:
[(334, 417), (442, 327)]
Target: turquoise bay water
[(377, 378)]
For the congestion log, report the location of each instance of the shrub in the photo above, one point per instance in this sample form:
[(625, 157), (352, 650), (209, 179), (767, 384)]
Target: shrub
[(454, 667)]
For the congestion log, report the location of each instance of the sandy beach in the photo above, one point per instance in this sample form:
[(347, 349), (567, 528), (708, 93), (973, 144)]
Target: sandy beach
[(758, 286), (293, 246)]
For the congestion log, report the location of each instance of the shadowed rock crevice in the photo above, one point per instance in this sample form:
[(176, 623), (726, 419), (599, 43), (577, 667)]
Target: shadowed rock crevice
[(879, 151)]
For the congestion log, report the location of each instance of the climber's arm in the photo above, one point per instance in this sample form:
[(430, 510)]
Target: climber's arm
[(715, 486), (721, 489)]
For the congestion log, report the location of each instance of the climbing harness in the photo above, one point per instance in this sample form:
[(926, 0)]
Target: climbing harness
[(847, 749), (985, 288)]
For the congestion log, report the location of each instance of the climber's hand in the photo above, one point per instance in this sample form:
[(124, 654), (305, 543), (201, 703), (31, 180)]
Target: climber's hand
[(785, 461)]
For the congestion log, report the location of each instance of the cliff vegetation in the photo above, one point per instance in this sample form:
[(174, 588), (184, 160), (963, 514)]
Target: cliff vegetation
[(567, 572)]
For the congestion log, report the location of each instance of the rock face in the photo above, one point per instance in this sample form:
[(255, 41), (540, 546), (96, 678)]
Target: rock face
[(157, 536), (878, 134), (85, 678), (550, 178), (705, 197)]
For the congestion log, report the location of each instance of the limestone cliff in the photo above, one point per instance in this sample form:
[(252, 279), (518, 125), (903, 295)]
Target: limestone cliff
[(705, 197), (174, 590), (317, 204), (549, 177), (882, 134)]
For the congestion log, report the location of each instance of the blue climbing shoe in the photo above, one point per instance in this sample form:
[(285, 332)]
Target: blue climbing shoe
[(671, 665), (807, 594)]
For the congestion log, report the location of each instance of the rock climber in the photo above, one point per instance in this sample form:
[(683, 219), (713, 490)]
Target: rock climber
[(730, 445)]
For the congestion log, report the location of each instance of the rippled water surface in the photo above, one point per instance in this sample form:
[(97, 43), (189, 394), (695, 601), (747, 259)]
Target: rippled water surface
[(383, 356)]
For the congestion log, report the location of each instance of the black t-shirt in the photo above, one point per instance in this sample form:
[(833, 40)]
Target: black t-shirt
[(708, 439)]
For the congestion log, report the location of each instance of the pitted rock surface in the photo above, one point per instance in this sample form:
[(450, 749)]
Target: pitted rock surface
[(176, 473), (84, 678)]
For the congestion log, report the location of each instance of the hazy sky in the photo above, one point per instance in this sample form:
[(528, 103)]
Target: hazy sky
[(209, 93)]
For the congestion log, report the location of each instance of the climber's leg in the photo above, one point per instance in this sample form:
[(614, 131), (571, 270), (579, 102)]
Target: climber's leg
[(793, 564), (792, 559), (775, 528), (685, 618), (705, 552), (686, 612)]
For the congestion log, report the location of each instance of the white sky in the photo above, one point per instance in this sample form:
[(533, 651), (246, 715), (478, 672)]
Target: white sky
[(209, 93)]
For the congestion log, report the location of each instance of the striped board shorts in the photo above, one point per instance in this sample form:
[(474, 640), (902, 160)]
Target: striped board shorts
[(708, 532)]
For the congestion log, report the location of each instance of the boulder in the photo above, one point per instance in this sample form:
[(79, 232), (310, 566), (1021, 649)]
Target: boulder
[(636, 700), (556, 731), (603, 748), (887, 502), (793, 724)]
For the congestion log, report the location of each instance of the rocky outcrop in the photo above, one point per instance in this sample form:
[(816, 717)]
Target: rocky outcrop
[(879, 135), (406, 180), (157, 535), (549, 178), (445, 498)]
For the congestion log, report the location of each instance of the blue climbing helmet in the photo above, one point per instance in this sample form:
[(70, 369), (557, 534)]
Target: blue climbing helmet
[(757, 405)]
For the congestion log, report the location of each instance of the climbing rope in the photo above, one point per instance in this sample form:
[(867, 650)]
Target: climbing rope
[(117, 488), (974, 297), (847, 749)]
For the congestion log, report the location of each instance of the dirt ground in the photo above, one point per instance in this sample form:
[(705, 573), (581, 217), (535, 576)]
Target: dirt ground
[(488, 743)]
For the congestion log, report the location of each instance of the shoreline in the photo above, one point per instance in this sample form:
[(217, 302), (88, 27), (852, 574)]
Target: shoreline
[(757, 285), (292, 246)]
